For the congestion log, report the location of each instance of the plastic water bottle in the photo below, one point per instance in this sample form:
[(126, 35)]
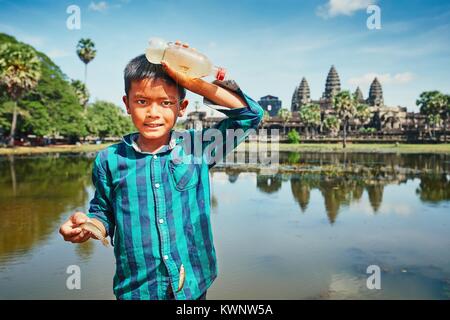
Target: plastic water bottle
[(186, 60)]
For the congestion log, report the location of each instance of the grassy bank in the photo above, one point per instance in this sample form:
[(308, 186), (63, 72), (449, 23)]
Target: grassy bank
[(306, 147), (362, 147), (53, 149)]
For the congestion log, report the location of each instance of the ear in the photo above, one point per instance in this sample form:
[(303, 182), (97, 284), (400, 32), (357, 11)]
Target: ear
[(183, 107), (127, 106)]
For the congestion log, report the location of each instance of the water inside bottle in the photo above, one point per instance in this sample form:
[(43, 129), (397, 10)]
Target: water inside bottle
[(190, 62)]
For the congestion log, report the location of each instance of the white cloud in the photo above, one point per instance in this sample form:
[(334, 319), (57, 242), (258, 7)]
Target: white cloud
[(101, 6), (342, 7), (384, 78)]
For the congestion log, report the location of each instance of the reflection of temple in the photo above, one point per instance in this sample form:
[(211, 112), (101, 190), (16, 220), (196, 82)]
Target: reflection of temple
[(338, 192), (342, 188)]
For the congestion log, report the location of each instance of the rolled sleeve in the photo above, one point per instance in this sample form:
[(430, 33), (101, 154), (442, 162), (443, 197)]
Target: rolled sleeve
[(100, 206), (245, 118)]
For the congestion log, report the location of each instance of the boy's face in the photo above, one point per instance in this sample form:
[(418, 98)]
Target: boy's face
[(154, 107)]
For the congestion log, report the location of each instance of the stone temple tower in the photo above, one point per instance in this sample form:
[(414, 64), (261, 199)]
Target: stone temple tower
[(333, 84), (375, 94), (294, 102), (302, 96), (359, 95)]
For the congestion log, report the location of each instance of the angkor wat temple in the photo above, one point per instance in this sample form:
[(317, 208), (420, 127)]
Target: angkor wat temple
[(393, 123), (383, 118)]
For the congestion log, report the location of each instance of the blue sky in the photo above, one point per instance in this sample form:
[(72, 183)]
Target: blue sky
[(267, 45)]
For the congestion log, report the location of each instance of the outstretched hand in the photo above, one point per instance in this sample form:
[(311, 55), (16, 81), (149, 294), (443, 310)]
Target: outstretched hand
[(71, 231)]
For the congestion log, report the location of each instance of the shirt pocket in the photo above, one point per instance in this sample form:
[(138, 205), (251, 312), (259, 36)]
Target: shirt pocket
[(184, 173)]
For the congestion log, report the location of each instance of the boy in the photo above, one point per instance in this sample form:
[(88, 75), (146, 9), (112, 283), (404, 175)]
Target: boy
[(154, 206)]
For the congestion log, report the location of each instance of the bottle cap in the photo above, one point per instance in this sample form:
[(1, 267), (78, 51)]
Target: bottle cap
[(156, 49), (221, 72)]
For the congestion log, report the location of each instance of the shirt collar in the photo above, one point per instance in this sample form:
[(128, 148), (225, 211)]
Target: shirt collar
[(131, 141)]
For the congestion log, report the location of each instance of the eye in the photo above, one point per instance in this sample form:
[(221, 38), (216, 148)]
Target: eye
[(168, 103), (141, 102)]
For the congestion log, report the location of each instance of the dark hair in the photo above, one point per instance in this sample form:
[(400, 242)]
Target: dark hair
[(140, 68)]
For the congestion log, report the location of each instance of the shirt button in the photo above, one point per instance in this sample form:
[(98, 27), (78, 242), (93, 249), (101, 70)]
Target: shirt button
[(166, 257), (155, 156), (157, 185), (161, 220)]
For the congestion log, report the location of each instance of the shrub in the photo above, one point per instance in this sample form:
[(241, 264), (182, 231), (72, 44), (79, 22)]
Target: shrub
[(293, 136)]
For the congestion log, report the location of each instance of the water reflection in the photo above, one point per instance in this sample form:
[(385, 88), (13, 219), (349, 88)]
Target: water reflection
[(34, 192), (342, 179), (386, 161), (434, 188), (341, 191)]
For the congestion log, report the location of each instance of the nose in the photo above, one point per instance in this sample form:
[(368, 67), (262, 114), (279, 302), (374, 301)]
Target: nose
[(153, 111)]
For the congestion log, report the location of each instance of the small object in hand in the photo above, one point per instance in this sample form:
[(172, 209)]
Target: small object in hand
[(92, 228), (182, 278)]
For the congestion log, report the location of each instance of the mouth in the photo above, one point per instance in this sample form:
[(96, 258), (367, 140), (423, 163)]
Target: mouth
[(153, 125)]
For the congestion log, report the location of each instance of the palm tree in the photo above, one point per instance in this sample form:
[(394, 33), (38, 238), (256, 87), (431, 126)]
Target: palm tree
[(81, 92), (363, 113), (345, 106), (432, 104), (310, 116), (285, 116), (332, 123), (20, 71), (86, 52)]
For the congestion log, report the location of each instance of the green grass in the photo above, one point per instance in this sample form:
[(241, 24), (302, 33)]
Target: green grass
[(363, 147), (54, 149), (302, 147)]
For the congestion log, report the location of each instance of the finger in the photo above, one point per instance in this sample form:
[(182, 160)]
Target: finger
[(70, 234), (79, 218), (82, 237), (67, 230), (167, 68)]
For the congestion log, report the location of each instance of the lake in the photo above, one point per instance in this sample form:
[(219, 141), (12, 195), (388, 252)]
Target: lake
[(308, 231)]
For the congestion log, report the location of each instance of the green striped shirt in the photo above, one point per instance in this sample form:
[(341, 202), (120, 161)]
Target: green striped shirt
[(156, 209)]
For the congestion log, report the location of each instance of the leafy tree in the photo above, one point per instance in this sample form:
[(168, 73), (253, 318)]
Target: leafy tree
[(106, 119), (50, 109), (20, 70), (432, 104), (82, 92), (445, 115), (434, 120), (86, 52)]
